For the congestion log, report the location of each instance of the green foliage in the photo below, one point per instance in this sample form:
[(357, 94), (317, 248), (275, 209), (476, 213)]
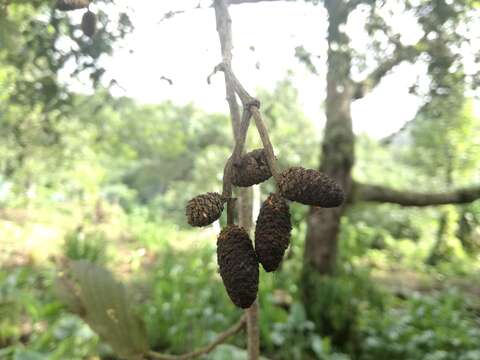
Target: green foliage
[(298, 337), (294, 135), (184, 305), (338, 303), (38, 45), (60, 148), (106, 307), (180, 297), (85, 246), (437, 327), (468, 230), (32, 323)]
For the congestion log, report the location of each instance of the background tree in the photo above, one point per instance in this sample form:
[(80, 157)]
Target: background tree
[(353, 73), (39, 47), (439, 21)]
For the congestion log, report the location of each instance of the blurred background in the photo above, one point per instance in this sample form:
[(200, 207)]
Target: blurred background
[(103, 140)]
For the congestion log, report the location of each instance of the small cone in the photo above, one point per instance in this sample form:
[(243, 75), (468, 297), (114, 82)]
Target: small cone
[(204, 209), (238, 265), (89, 23), (272, 232), (68, 5), (252, 169), (310, 187)]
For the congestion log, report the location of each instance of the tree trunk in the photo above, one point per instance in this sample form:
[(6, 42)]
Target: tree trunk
[(444, 223), (436, 251), (336, 160), (338, 145)]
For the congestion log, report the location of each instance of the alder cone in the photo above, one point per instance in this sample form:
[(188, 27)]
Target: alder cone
[(238, 265), (272, 232), (89, 23), (310, 187), (204, 209), (252, 169), (67, 5)]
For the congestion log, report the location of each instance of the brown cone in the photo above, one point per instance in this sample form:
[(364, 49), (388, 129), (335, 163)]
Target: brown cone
[(67, 5), (204, 209), (89, 23), (238, 265), (272, 232), (252, 169), (310, 187)]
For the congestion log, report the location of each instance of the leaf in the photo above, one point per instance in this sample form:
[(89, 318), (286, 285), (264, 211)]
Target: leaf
[(108, 311), (29, 355), (67, 292), (231, 352)]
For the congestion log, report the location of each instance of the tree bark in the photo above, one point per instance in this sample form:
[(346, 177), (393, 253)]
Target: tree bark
[(382, 194), (338, 144), (435, 252)]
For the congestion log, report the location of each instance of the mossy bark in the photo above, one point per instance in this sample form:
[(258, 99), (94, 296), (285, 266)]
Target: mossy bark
[(337, 159)]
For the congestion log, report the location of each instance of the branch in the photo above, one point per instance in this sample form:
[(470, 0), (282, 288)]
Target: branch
[(376, 193), (205, 350), (250, 104), (241, 136), (253, 345), (267, 145), (401, 53)]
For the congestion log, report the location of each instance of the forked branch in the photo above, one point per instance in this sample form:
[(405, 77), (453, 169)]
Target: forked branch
[(401, 53)]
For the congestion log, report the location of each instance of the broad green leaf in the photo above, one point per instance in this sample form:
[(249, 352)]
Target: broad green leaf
[(108, 310)]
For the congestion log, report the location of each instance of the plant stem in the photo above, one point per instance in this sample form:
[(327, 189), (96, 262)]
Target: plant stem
[(240, 128), (253, 332), (267, 144)]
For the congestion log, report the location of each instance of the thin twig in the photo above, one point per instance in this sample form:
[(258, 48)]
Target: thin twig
[(227, 192), (253, 341), (251, 105), (267, 144), (170, 81), (205, 350), (241, 137)]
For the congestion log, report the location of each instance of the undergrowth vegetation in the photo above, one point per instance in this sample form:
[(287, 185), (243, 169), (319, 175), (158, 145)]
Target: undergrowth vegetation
[(173, 279)]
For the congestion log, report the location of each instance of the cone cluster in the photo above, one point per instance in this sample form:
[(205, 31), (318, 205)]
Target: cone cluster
[(238, 265), (310, 187), (204, 209), (252, 169), (89, 23), (272, 232), (238, 259), (68, 5)]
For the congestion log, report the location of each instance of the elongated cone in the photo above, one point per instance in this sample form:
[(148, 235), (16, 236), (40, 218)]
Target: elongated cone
[(204, 209), (238, 265), (67, 5), (272, 232), (252, 169), (89, 23), (310, 187)]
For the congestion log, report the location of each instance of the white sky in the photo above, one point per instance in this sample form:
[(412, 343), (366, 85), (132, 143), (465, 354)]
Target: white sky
[(186, 48)]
